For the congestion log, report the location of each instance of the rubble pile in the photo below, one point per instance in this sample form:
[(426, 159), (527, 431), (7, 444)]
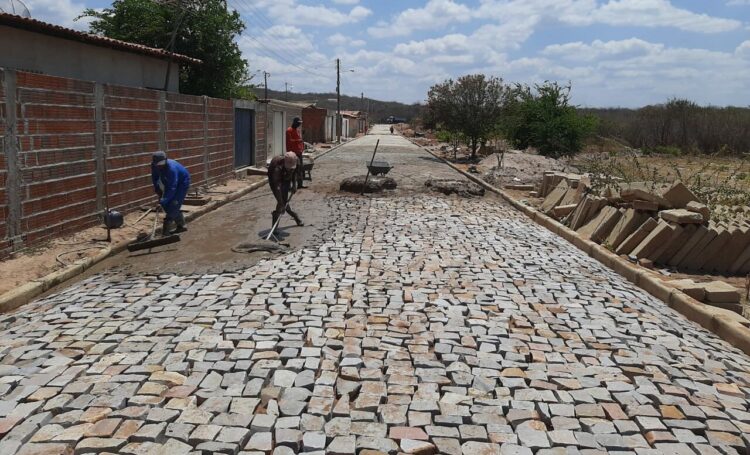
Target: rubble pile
[(452, 186), (520, 168), (371, 184), (652, 224)]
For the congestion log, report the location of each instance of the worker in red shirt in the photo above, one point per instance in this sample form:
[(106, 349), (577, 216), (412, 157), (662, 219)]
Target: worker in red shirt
[(294, 143)]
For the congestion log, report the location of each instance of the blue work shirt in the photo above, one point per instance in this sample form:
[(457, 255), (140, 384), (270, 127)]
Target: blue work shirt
[(175, 179)]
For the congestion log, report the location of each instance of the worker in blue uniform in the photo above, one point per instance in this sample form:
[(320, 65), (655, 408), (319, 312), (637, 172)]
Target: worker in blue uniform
[(171, 183)]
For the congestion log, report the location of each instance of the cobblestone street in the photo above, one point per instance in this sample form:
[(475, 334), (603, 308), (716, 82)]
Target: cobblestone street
[(414, 323)]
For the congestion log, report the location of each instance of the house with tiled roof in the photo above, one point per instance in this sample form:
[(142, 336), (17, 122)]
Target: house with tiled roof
[(39, 47)]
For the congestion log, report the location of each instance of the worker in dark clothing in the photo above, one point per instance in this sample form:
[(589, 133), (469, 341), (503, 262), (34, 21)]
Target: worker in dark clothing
[(294, 143), (282, 179), (171, 183)]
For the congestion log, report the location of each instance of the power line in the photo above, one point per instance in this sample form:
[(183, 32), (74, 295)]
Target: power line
[(268, 51), (255, 17), (285, 60), (260, 19), (278, 44)]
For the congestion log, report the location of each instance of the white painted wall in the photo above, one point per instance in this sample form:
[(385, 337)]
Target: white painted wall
[(38, 53)]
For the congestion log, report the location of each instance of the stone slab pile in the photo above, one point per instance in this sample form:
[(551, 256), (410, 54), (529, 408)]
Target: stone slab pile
[(663, 225), (550, 180), (715, 293)]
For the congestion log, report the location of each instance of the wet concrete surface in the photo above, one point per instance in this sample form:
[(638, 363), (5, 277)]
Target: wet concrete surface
[(207, 246)]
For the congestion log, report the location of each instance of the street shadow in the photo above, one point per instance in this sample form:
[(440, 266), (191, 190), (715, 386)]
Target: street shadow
[(431, 158), (150, 252), (281, 232)]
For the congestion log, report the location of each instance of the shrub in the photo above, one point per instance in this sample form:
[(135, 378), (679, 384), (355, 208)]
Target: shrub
[(544, 119)]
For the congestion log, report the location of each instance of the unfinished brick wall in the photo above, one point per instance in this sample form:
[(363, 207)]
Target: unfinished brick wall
[(132, 132), (220, 128), (67, 130), (314, 126), (4, 243), (56, 157)]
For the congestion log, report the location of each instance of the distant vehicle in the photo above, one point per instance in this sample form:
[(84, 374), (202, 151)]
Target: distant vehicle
[(394, 120)]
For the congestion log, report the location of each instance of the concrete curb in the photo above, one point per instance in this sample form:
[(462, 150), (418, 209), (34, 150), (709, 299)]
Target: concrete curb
[(729, 326), (326, 152), (23, 294)]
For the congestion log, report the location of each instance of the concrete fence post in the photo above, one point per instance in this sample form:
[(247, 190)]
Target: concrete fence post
[(163, 121), (101, 178), (11, 149), (205, 140)]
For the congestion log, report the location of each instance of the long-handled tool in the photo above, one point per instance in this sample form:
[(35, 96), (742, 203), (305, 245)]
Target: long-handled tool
[(140, 218), (148, 241), (276, 224), (367, 177)]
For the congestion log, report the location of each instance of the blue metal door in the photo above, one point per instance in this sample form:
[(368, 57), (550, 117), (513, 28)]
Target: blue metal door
[(244, 138)]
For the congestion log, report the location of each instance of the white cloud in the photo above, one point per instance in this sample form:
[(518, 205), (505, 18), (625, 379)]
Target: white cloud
[(599, 50), (738, 2), (635, 72), (436, 13), (658, 13), (293, 13), (743, 50), (346, 2), (448, 44), (284, 51), (337, 40), (358, 13), (632, 13), (59, 12), (343, 41)]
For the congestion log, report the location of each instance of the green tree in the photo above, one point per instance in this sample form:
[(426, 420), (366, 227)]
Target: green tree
[(205, 29), (543, 118), (470, 107)]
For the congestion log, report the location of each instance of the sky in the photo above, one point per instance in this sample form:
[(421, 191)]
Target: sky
[(625, 53)]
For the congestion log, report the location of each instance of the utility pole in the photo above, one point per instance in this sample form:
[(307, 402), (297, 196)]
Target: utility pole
[(265, 102), (362, 109), (265, 85), (286, 90), (338, 100), (170, 46)]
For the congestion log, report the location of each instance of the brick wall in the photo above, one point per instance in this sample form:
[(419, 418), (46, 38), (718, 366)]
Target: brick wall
[(131, 132), (56, 157), (61, 155), (314, 126), (220, 129), (4, 243)]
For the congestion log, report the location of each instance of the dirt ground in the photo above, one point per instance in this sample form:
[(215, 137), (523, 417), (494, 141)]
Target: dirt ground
[(520, 168), (34, 263)]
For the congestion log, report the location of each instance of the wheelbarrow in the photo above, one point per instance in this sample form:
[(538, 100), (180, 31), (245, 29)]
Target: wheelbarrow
[(307, 167), (379, 167)]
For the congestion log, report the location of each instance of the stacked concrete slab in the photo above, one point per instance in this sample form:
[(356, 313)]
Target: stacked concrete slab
[(551, 180), (714, 293), (664, 225)]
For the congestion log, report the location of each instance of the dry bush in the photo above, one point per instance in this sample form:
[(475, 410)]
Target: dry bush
[(717, 181)]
